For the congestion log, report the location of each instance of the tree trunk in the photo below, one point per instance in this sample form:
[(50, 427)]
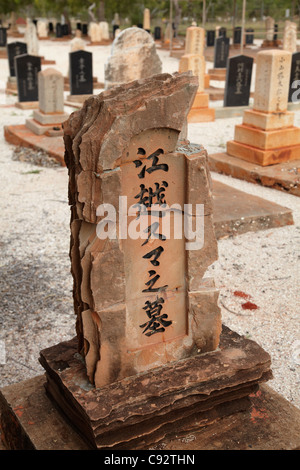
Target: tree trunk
[(177, 17), (101, 11)]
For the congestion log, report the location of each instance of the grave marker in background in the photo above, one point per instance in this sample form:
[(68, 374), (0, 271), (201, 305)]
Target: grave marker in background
[(50, 115), (3, 37), (133, 56), (14, 49), (221, 52), (268, 135), (27, 68), (210, 38), (238, 81), (81, 73), (194, 60), (294, 95)]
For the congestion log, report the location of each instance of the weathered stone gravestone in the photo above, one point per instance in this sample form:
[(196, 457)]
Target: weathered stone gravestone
[(290, 37), (268, 135), (294, 95), (270, 28), (194, 60), (104, 28), (94, 33), (221, 52), (238, 81), (144, 314), (133, 56), (14, 49), (27, 68), (42, 29), (81, 73), (210, 38), (50, 115), (77, 44), (138, 278), (31, 38)]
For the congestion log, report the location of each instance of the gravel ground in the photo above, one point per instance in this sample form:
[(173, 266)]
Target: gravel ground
[(36, 286)]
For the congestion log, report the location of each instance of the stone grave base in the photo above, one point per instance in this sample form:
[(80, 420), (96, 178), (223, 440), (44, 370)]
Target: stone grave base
[(21, 135), (29, 421), (47, 62), (214, 93), (96, 85), (236, 212), (11, 86), (206, 80), (282, 176), (139, 411), (266, 157), (217, 74), (77, 99), (103, 42), (200, 112), (274, 43), (230, 111), (63, 38), (50, 130), (27, 104), (3, 53)]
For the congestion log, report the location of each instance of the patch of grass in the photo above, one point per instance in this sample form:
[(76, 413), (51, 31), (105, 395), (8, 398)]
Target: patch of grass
[(32, 172)]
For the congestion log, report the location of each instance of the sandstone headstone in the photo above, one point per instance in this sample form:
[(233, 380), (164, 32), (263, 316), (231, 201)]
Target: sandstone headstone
[(133, 56), (290, 37), (51, 113), (194, 60), (146, 22), (104, 28), (270, 28), (268, 135), (77, 44), (31, 38), (42, 29), (140, 303), (95, 32)]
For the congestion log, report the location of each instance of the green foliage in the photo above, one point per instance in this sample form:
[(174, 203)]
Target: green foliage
[(133, 9)]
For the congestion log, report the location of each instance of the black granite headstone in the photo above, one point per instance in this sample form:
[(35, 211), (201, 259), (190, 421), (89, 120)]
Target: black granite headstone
[(81, 73), (275, 36), (238, 81), (3, 37), (250, 36), (221, 52), (237, 35), (157, 33), (65, 29), (59, 30), (51, 27), (27, 68), (210, 38), (84, 29), (14, 49), (222, 32), (78, 26), (294, 78)]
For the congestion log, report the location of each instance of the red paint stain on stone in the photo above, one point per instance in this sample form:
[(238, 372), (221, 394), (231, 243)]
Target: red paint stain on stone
[(239, 293), (249, 306), (19, 411)]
